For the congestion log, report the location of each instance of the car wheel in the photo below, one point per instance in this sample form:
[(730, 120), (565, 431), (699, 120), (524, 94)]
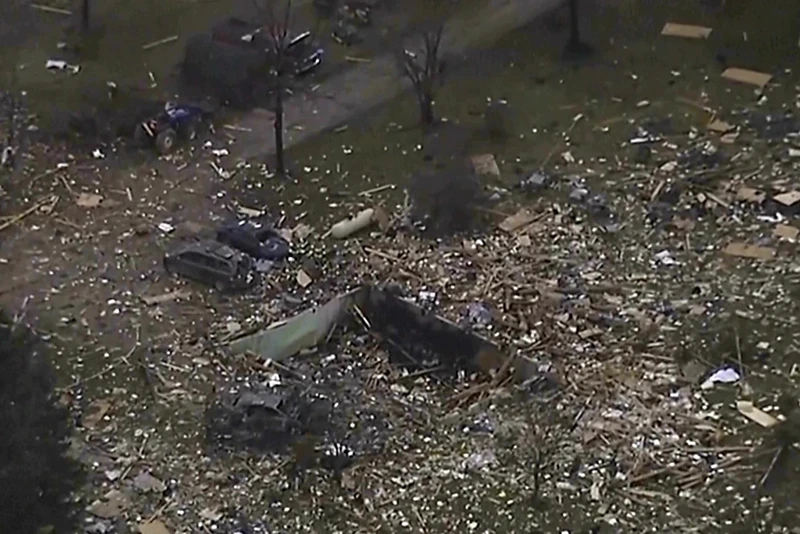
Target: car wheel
[(167, 266), (275, 248), (165, 141)]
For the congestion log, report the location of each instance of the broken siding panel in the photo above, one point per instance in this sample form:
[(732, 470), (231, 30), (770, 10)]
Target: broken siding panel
[(298, 333)]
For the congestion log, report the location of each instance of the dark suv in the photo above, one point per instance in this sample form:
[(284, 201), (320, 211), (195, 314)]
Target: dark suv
[(304, 55), (233, 63), (213, 264), (259, 242)]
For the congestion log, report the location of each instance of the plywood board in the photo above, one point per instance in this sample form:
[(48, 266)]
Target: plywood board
[(687, 31), (752, 77)]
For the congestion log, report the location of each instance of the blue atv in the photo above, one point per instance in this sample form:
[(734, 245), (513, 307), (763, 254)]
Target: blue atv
[(175, 121), (257, 241)]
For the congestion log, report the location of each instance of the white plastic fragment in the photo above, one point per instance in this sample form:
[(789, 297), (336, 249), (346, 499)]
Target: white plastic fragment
[(727, 375)]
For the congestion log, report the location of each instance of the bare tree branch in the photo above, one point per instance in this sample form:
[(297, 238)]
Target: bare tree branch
[(276, 19), (424, 68)]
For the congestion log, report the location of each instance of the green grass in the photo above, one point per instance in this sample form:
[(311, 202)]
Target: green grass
[(545, 96)]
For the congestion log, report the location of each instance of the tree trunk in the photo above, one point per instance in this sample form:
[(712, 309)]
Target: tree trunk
[(576, 48), (426, 107), (11, 118), (574, 27), (427, 111), (85, 15), (13, 103), (279, 159)]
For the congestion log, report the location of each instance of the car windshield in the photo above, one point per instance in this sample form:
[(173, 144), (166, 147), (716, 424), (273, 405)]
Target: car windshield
[(225, 252), (207, 259)]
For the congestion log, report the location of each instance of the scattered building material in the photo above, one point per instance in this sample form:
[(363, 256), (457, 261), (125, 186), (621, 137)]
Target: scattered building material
[(751, 77), (687, 31)]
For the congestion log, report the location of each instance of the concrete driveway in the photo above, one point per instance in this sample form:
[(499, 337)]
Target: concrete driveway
[(368, 85)]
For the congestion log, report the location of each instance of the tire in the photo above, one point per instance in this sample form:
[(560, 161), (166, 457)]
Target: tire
[(140, 136), (275, 248), (189, 130), (167, 266), (165, 140)]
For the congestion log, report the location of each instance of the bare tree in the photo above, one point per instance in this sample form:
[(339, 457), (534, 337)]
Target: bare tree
[(277, 17), (425, 68), (536, 441)]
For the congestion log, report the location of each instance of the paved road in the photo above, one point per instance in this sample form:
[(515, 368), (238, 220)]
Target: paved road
[(366, 86)]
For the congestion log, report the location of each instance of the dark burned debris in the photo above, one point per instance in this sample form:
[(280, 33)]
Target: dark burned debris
[(447, 200), (420, 340), (318, 424), (299, 407), (267, 417), (417, 338)]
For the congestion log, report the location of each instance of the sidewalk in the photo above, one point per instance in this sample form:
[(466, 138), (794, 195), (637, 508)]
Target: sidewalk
[(366, 86)]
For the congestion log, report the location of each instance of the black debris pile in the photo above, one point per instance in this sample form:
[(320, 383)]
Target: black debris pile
[(320, 417), (267, 417), (242, 250), (447, 201), (420, 340)]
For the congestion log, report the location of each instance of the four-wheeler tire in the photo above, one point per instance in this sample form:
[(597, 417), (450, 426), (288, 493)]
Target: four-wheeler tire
[(189, 130), (165, 140), (140, 136)]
